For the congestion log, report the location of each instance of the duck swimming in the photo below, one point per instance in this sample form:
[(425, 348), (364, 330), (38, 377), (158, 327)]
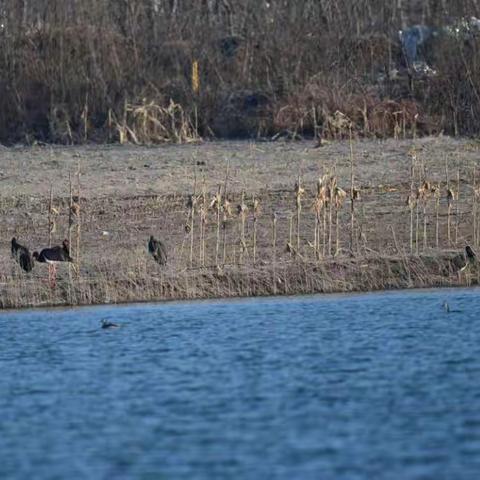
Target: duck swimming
[(107, 324)]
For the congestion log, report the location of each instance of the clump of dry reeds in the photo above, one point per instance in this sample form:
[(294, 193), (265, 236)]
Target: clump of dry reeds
[(150, 122)]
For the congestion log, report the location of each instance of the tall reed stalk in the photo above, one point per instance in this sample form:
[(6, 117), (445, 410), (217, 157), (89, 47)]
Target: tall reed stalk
[(450, 199), (274, 250), (411, 201), (352, 194), (331, 191), (339, 198), (51, 221), (203, 222), (457, 207), (256, 213), (299, 192), (474, 206), (437, 194), (242, 210), (217, 204), (319, 208)]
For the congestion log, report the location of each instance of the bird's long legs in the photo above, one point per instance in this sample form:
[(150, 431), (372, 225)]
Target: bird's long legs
[(52, 275)]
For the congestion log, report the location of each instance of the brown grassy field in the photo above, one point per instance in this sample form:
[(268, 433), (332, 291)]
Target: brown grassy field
[(127, 193)]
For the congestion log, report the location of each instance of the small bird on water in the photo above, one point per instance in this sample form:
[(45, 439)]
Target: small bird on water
[(107, 324), (446, 307)]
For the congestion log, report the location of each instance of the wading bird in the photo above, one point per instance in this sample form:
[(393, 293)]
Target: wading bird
[(22, 255), (470, 257), (158, 251), (52, 256)]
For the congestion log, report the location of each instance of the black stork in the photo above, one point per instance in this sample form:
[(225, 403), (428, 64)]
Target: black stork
[(158, 251), (470, 253), (470, 257), (52, 256), (22, 255)]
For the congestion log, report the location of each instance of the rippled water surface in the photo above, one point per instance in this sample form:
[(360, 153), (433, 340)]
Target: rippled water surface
[(335, 387)]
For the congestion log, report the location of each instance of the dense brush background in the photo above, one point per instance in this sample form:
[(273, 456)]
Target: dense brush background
[(120, 70)]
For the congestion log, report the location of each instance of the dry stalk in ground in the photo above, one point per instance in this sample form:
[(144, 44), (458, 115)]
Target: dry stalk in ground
[(256, 213), (412, 205), (217, 204), (331, 199), (339, 197), (474, 207), (437, 195), (203, 222), (191, 204), (457, 209), (450, 201), (319, 206), (352, 194), (242, 211), (299, 193), (274, 251), (226, 214)]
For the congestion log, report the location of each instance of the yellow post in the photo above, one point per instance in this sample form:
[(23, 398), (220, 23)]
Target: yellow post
[(195, 77)]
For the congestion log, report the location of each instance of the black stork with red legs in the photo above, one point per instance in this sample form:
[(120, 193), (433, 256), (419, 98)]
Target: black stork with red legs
[(52, 256)]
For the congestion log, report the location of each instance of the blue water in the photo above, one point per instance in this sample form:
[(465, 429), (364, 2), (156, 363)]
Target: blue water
[(370, 386)]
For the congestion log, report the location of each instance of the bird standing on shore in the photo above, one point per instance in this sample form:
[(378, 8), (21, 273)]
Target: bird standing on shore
[(158, 251), (470, 257), (470, 253), (59, 253), (52, 256), (22, 255)]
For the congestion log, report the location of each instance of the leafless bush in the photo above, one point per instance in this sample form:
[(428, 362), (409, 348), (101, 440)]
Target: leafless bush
[(76, 71)]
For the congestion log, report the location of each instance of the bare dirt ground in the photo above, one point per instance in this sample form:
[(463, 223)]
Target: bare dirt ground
[(130, 192)]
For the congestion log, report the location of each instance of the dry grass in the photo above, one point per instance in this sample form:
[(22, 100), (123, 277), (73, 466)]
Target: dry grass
[(139, 281), (244, 253), (74, 72)]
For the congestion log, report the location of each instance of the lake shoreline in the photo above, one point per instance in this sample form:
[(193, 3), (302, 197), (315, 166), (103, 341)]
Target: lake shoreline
[(295, 278), (238, 219)]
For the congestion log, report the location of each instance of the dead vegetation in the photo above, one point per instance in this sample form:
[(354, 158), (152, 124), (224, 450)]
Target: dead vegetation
[(153, 72), (327, 229)]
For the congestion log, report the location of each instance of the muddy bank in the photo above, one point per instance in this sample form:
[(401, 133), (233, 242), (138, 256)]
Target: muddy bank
[(123, 195), (140, 282)]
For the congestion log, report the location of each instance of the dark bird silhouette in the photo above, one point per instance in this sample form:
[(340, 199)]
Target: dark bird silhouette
[(470, 257), (470, 253), (53, 256), (22, 255), (158, 251), (60, 253), (107, 324)]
